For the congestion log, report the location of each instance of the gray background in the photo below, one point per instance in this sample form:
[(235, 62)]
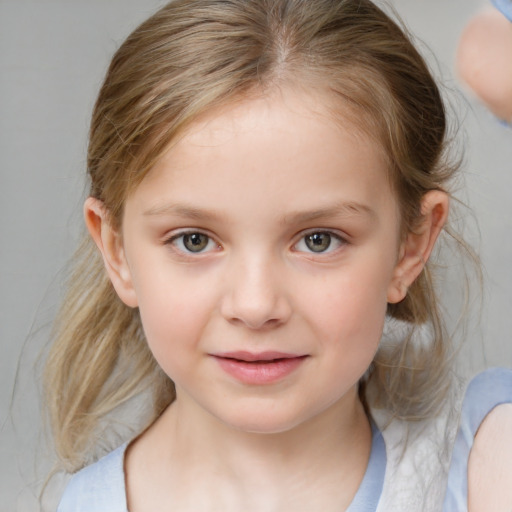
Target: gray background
[(53, 54)]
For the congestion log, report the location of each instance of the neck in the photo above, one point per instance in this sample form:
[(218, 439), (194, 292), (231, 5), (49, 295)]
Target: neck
[(334, 430), (323, 457)]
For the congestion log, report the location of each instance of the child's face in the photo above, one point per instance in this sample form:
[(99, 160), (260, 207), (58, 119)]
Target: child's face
[(267, 233)]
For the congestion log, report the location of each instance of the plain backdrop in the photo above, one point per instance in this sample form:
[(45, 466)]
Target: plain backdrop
[(53, 55)]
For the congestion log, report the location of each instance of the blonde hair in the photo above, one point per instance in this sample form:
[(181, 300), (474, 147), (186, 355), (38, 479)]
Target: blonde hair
[(189, 58)]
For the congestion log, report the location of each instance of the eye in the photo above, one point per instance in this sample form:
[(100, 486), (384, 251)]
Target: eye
[(193, 242), (319, 242)]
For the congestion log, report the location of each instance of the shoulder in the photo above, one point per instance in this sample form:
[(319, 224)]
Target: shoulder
[(487, 390), (99, 487), (505, 6), (480, 421), (490, 460)]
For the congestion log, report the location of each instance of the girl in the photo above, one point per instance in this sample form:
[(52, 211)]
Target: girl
[(481, 467), (268, 181)]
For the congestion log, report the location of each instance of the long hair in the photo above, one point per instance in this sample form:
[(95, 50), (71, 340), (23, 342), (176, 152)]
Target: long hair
[(193, 56)]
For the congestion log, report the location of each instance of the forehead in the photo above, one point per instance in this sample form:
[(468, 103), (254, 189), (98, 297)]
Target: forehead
[(279, 109), (285, 144)]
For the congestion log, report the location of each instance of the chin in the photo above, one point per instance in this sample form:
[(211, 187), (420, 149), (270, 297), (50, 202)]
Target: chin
[(257, 420), (264, 422)]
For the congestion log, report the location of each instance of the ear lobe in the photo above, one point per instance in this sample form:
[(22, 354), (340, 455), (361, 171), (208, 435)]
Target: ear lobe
[(110, 245), (416, 248)]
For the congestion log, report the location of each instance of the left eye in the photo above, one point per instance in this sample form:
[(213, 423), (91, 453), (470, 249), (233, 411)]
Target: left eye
[(195, 242), (319, 242)]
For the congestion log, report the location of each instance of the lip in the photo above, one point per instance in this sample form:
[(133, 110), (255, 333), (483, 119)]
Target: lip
[(259, 368)]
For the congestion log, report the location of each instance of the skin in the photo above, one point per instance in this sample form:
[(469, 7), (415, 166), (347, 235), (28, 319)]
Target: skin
[(490, 467), (257, 178), (484, 60)]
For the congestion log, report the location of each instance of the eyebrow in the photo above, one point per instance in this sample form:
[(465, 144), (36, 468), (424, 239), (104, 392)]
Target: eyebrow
[(344, 209), (181, 210)]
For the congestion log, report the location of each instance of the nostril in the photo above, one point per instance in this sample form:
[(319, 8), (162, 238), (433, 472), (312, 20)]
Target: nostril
[(256, 313), (255, 324)]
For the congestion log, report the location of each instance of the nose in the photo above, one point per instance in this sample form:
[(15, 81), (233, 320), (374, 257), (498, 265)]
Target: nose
[(255, 294)]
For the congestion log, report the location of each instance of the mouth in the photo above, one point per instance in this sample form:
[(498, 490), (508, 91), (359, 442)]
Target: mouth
[(259, 368), (257, 357)]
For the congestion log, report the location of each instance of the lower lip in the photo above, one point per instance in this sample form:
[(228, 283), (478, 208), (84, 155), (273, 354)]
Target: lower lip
[(257, 372)]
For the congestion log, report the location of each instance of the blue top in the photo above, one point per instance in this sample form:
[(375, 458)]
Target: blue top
[(505, 6), (486, 391), (100, 487)]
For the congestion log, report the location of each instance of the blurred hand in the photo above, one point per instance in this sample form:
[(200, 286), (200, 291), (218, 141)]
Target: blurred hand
[(484, 60)]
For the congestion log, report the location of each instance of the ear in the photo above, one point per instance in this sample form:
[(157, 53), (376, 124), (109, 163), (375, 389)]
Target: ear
[(418, 244), (109, 242)]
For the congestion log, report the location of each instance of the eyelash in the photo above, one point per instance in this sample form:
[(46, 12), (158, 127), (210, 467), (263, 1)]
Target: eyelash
[(338, 240), (179, 241)]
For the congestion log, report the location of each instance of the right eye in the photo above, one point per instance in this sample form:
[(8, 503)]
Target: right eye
[(193, 242), (319, 242)]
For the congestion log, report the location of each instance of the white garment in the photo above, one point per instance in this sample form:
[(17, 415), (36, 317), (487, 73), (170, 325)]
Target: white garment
[(418, 456)]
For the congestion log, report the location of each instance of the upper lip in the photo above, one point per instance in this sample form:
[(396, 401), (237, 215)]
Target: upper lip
[(243, 355)]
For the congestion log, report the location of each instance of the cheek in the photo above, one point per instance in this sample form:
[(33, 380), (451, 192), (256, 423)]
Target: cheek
[(349, 312), (356, 319), (347, 326), (174, 315)]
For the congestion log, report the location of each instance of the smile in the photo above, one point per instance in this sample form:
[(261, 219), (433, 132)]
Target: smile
[(259, 368)]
